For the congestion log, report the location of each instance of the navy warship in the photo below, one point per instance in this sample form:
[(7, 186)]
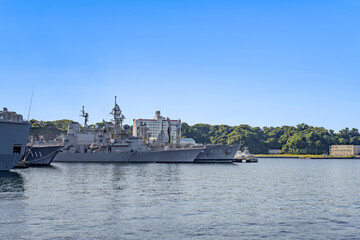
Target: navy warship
[(163, 131), (111, 144), (217, 154), (13, 138), (41, 155)]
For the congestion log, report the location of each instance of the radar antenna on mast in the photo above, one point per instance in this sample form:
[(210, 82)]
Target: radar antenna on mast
[(143, 131), (84, 115), (118, 117)]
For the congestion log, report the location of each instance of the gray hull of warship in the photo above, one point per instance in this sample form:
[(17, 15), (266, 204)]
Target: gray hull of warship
[(13, 138), (42, 155), (165, 156), (93, 157), (217, 154)]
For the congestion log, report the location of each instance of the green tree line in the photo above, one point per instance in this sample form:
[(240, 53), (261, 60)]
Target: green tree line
[(48, 130), (302, 139)]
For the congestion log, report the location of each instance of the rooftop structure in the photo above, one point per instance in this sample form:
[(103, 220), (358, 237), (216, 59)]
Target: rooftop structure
[(7, 116)]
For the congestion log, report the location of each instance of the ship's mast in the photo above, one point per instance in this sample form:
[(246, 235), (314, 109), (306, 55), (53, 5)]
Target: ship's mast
[(84, 115), (144, 131), (118, 118), (169, 130), (177, 132), (161, 139)]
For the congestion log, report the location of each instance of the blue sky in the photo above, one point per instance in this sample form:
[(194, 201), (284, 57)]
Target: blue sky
[(262, 63)]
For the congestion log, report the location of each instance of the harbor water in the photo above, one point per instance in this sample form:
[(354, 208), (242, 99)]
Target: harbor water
[(271, 199)]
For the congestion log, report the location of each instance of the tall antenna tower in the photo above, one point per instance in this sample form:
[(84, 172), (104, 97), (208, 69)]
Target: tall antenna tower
[(143, 131), (32, 94), (118, 117), (84, 115)]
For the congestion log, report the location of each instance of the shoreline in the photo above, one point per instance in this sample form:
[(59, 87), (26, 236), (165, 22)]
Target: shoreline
[(305, 156)]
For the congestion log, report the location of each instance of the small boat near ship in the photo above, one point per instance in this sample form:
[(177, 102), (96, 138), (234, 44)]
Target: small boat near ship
[(245, 156)]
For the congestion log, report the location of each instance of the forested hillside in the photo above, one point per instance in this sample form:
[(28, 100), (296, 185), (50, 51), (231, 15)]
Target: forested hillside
[(48, 130), (302, 139)]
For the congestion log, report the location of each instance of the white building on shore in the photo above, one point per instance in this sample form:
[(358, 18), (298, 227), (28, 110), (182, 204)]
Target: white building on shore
[(153, 128), (344, 150), (274, 151)]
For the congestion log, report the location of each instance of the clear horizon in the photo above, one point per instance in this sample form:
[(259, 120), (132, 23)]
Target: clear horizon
[(260, 63)]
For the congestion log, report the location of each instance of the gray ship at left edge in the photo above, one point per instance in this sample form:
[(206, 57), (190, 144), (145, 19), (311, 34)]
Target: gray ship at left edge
[(14, 133)]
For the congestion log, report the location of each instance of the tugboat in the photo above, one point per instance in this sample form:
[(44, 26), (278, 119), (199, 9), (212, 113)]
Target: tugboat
[(245, 156)]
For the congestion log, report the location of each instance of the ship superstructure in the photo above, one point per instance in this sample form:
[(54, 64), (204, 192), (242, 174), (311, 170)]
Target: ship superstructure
[(13, 137)]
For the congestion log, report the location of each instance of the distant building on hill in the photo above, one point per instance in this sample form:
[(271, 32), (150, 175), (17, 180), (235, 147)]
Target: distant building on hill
[(8, 116), (274, 151), (344, 150)]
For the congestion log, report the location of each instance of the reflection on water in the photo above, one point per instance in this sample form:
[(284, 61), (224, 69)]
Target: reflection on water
[(50, 167), (12, 206), (275, 199), (9, 174), (11, 185)]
